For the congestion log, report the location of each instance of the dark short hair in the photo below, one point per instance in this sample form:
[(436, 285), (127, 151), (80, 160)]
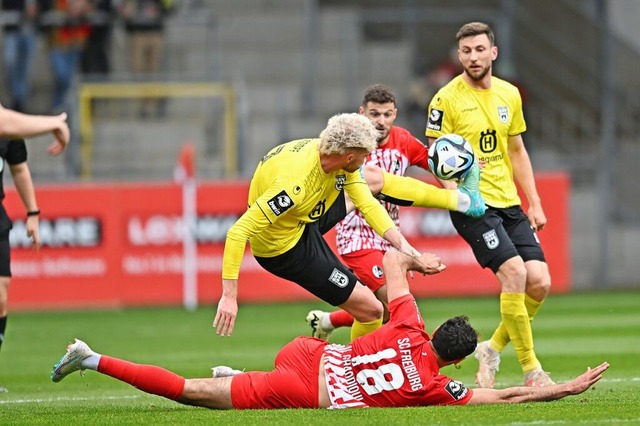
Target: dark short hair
[(455, 338), (379, 94), (472, 29)]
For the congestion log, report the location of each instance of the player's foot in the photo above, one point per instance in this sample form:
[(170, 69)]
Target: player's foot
[(538, 378), (71, 361), (489, 363), (314, 319), (223, 371), (471, 186), (3, 389)]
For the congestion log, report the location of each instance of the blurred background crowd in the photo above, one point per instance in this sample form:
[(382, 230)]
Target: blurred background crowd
[(76, 35), (140, 78)]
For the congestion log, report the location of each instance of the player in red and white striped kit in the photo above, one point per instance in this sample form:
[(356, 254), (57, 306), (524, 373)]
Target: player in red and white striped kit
[(360, 248)]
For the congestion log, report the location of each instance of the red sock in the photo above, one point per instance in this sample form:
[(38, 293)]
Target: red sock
[(341, 318), (147, 378)]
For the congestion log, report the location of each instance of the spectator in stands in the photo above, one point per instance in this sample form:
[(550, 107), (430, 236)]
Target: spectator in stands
[(95, 59), (20, 40), (144, 23), (66, 22)]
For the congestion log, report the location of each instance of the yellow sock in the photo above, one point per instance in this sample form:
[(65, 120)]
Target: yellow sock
[(516, 320), (532, 306), (500, 338), (361, 328), (403, 190)]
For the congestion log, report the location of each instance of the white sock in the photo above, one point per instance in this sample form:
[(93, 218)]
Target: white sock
[(464, 202), (325, 322), (91, 362)]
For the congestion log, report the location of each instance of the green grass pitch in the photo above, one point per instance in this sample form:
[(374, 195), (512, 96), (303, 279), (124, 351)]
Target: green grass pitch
[(571, 332)]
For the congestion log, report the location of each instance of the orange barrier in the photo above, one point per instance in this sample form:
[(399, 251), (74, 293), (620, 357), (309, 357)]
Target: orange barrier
[(121, 245)]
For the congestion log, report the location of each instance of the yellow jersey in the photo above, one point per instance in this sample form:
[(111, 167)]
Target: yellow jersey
[(486, 118), (289, 190)]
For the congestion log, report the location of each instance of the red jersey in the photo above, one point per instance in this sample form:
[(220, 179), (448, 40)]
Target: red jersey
[(401, 151), (393, 367)]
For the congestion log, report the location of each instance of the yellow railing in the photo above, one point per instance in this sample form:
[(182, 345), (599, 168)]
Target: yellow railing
[(90, 91)]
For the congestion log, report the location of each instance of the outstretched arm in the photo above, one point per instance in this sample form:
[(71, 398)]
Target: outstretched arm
[(396, 265), (546, 393), (18, 125)]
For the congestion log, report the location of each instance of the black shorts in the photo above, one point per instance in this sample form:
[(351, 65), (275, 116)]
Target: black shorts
[(312, 264), (5, 254), (498, 236)]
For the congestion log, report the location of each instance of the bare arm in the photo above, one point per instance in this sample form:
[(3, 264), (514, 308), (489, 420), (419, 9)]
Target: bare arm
[(227, 311), (532, 394), (396, 264), (24, 185), (523, 173), (18, 125), (426, 263)]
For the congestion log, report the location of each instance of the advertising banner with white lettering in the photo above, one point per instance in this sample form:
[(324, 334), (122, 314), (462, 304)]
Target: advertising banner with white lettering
[(114, 245)]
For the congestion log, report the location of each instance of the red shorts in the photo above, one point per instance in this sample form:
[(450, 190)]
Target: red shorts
[(367, 265), (292, 384)]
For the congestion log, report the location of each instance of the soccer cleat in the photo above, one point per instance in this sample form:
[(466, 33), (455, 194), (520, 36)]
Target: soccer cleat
[(224, 371), (538, 378), (71, 361), (489, 363), (314, 321), (3, 389), (471, 186)]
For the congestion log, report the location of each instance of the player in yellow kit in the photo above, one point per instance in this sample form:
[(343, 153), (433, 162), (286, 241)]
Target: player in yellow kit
[(487, 111), (295, 196)]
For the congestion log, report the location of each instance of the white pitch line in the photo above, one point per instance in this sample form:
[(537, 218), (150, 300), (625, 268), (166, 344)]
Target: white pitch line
[(63, 399), (573, 422)]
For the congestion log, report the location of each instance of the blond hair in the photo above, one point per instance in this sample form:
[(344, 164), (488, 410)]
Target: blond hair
[(348, 131)]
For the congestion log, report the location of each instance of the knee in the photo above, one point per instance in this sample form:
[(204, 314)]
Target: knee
[(513, 276), (376, 311), (369, 312), (538, 282)]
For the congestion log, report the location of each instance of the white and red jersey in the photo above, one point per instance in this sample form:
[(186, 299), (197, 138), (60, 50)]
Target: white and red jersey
[(401, 151), (393, 367)]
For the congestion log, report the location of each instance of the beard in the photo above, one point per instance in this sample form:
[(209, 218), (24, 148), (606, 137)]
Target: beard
[(382, 135), (479, 76)]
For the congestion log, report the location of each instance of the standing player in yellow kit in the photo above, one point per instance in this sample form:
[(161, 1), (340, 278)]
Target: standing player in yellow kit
[(487, 111)]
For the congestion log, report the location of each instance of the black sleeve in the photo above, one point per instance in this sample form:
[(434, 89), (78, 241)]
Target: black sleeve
[(16, 152)]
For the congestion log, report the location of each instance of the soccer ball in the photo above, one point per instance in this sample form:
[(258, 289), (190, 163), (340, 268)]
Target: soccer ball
[(450, 157)]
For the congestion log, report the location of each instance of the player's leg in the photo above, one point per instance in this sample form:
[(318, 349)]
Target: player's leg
[(537, 289), (407, 191), (366, 310), (313, 265), (494, 249), (4, 313), (367, 265), (5, 279), (538, 282), (211, 393)]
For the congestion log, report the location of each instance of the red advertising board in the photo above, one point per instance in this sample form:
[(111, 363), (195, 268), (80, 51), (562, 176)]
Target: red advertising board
[(121, 245)]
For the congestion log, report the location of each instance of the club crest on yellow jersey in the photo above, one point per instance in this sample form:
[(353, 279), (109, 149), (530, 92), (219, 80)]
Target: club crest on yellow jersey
[(503, 114)]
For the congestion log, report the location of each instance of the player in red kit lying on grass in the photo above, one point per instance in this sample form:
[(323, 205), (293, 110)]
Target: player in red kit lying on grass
[(394, 366)]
